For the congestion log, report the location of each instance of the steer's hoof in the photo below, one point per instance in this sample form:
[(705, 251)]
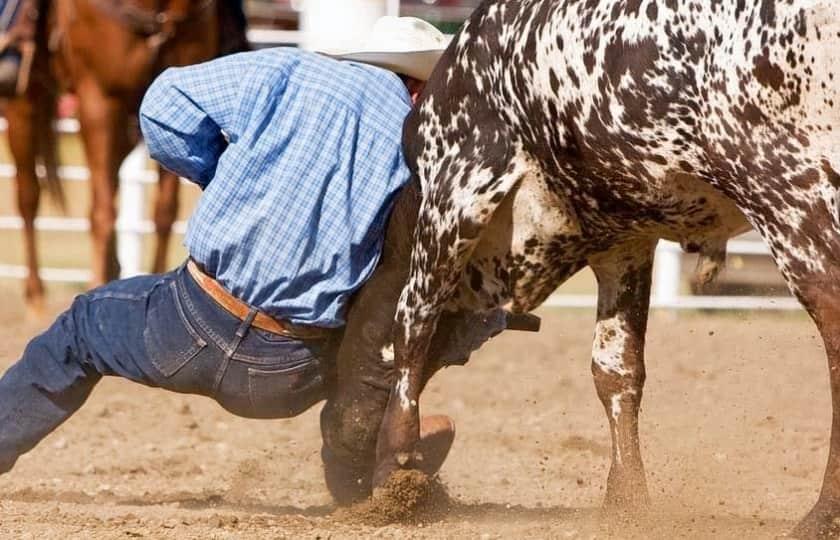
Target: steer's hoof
[(437, 433), (626, 500), (821, 522), (626, 490), (388, 467)]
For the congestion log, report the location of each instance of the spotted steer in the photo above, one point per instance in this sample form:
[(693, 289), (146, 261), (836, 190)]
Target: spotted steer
[(557, 134)]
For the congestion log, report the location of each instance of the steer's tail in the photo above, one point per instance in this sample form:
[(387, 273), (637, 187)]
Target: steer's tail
[(711, 260)]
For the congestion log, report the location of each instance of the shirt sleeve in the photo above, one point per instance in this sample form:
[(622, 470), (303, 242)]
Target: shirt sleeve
[(188, 115)]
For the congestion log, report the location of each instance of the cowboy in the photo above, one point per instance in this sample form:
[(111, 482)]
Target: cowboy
[(299, 158)]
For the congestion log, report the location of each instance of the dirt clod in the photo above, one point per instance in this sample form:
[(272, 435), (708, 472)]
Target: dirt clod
[(409, 496)]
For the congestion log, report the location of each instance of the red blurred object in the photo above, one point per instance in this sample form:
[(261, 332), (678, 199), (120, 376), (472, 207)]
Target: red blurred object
[(68, 106)]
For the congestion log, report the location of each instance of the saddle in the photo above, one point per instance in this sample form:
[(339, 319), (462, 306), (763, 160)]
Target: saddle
[(161, 26), (18, 22)]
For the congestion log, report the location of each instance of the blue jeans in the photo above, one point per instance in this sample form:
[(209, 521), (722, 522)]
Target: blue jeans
[(163, 331)]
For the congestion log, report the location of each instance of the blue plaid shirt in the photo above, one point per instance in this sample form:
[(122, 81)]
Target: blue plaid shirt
[(300, 158)]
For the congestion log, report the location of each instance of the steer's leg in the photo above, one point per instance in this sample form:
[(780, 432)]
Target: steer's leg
[(456, 207), (801, 225), (358, 395), (819, 292), (624, 276)]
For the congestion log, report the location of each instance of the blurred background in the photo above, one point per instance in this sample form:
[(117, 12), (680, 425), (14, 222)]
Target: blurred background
[(285, 14), (750, 280)]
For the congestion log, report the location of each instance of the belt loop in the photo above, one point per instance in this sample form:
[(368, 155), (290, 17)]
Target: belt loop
[(241, 332), (246, 324)]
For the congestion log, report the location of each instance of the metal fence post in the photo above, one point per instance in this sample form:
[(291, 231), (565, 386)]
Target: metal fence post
[(666, 274), (132, 212)]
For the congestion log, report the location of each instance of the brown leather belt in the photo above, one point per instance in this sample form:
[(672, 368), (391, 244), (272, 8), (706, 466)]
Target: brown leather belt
[(240, 309)]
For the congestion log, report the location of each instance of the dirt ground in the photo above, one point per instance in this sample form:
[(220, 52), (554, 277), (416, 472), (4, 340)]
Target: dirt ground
[(734, 429)]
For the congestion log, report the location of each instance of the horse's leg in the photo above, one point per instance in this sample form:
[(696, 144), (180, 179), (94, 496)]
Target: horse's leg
[(166, 210), (104, 122), (624, 276), (23, 144), (448, 229)]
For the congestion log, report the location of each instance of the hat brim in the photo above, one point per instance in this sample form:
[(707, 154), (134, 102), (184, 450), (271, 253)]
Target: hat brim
[(417, 64)]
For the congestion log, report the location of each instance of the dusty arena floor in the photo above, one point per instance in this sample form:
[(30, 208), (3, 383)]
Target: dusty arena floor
[(734, 429)]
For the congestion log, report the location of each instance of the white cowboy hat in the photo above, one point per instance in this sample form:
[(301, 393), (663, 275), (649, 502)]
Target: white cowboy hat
[(405, 45)]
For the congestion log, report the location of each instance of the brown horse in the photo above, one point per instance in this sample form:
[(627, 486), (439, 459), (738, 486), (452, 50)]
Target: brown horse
[(107, 52)]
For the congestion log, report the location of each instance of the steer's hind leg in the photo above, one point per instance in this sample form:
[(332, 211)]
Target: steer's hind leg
[(819, 291), (802, 230), (618, 367)]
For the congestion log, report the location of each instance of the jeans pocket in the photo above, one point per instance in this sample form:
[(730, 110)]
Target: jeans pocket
[(170, 340), (285, 392)]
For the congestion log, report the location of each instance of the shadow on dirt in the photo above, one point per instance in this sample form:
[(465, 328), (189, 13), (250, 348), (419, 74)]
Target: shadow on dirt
[(654, 523), (189, 501)]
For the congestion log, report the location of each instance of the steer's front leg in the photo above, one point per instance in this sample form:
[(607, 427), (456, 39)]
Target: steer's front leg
[(624, 277), (455, 209), (401, 424)]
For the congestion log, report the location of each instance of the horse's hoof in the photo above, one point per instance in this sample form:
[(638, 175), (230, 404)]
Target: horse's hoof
[(36, 307)]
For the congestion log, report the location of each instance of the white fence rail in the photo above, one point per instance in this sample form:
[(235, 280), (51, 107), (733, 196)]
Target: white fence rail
[(132, 227)]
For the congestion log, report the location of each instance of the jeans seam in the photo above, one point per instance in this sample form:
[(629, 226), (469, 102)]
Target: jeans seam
[(315, 382), (198, 343), (263, 359), (217, 339), (180, 309), (110, 295)]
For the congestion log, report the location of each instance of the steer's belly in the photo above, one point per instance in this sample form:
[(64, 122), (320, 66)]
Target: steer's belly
[(539, 237), (531, 246)]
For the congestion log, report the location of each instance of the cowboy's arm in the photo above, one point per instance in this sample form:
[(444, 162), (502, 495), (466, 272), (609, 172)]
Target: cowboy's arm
[(188, 115)]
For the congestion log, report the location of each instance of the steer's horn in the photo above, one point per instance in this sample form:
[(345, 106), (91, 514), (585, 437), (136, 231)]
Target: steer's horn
[(526, 322)]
